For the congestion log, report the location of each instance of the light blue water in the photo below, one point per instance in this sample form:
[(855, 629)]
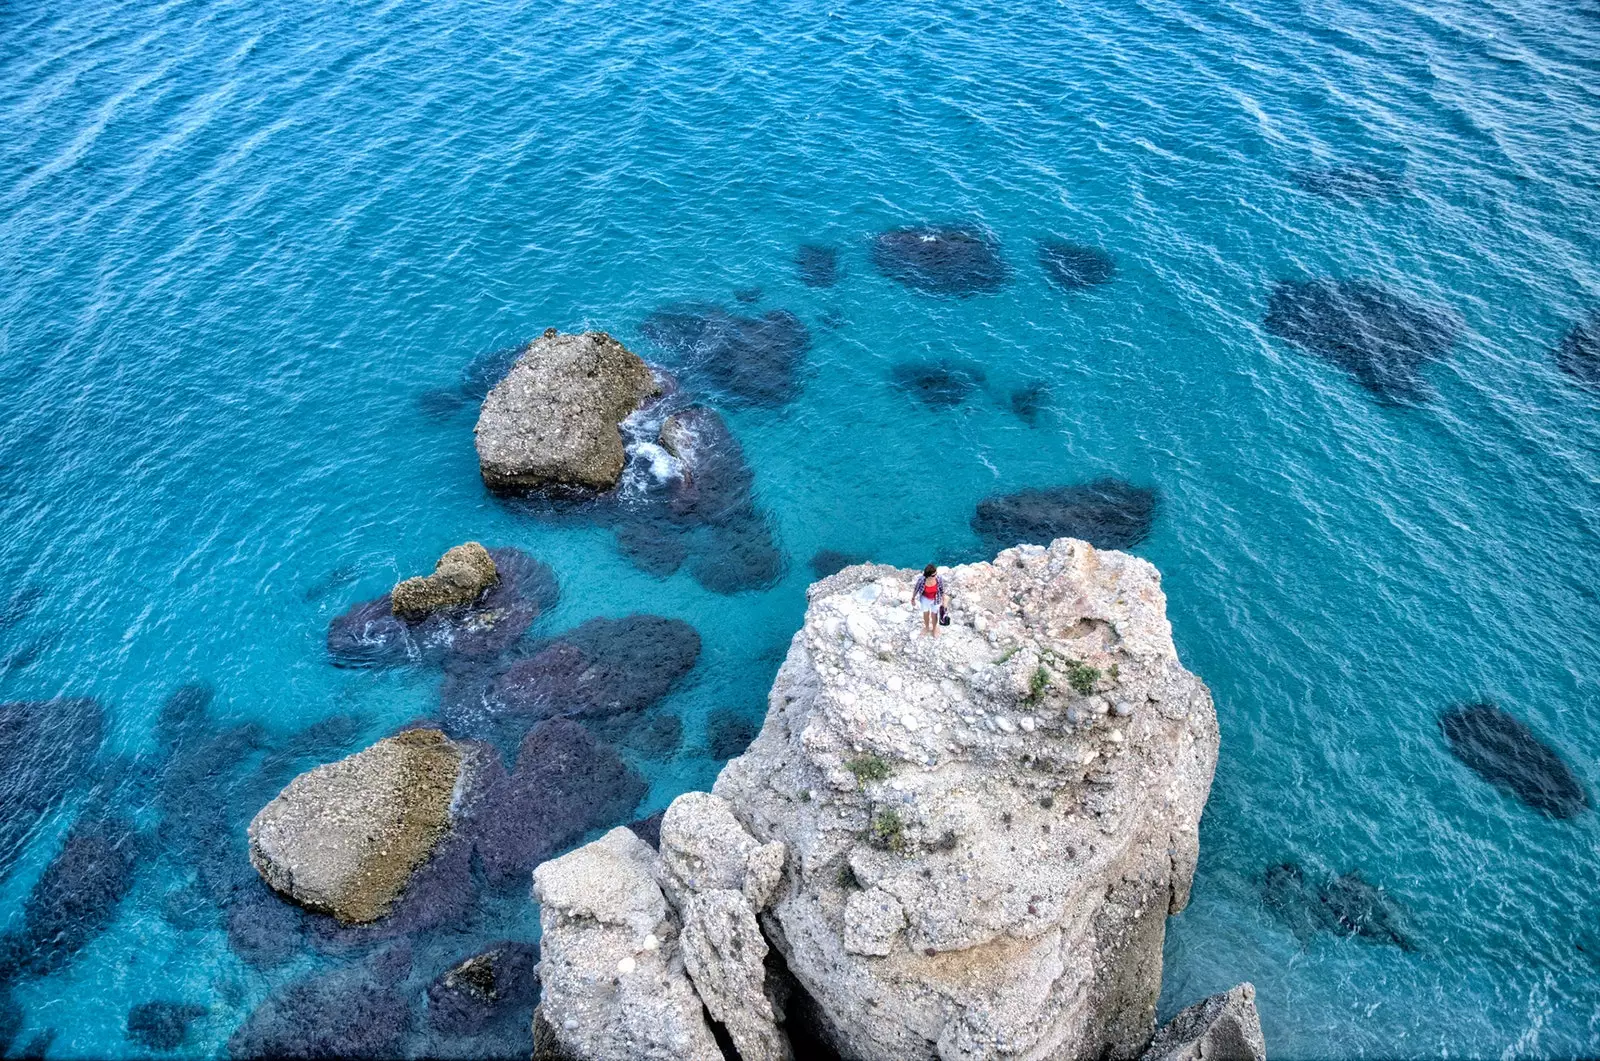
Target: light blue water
[(238, 241)]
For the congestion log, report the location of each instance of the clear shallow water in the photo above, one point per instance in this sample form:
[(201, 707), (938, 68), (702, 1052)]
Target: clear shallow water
[(239, 242)]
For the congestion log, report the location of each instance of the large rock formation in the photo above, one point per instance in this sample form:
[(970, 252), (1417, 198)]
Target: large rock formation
[(460, 576), (551, 423), (986, 831), (345, 837), (1224, 1027), (960, 848)]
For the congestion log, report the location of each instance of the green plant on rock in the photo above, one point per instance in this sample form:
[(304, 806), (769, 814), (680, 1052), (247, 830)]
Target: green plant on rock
[(888, 831), (1038, 682), (1081, 676), (870, 767)]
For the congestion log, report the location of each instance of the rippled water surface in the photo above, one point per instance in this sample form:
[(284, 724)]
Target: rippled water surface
[(241, 243)]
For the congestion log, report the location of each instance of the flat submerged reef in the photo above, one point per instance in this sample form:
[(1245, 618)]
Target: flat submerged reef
[(462, 500)]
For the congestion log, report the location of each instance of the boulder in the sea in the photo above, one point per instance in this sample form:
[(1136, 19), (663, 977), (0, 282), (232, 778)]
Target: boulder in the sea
[(46, 747), (345, 838), (488, 987), (1108, 513), (1224, 1027), (551, 424), (614, 986), (749, 360), (564, 784), (1073, 265), (1578, 354), (1380, 338), (460, 577), (1503, 751), (960, 260), (989, 794), (817, 265), (942, 384), (162, 1025)]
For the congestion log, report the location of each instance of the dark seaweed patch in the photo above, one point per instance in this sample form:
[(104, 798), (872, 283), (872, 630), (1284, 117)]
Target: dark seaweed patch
[(1506, 753), (748, 296), (751, 360), (162, 1025), (76, 897), (942, 384), (1028, 400), (817, 265), (1073, 265), (1349, 183), (1578, 355), (957, 260), (652, 735), (1107, 513), (729, 733), (1347, 906), (1378, 337), (47, 747), (355, 1011), (827, 562)]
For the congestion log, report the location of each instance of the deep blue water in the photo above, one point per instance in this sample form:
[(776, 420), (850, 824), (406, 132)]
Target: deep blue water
[(240, 241)]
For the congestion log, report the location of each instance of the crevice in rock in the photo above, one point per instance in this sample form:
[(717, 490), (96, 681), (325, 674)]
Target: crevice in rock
[(799, 1016)]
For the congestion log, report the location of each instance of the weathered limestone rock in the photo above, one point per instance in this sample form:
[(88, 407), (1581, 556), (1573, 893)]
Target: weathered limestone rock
[(703, 847), (551, 424), (614, 983), (345, 837), (725, 954), (1224, 1027), (461, 574), (986, 831)]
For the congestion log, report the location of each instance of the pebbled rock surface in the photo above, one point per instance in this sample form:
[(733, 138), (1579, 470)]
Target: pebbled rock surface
[(460, 577), (613, 980), (551, 424), (1224, 1027), (985, 832), (346, 837)]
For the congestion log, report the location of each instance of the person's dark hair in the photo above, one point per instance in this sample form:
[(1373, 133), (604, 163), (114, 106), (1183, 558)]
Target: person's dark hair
[(931, 570)]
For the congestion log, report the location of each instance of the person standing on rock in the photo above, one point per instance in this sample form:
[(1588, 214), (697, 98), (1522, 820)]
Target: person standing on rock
[(927, 596)]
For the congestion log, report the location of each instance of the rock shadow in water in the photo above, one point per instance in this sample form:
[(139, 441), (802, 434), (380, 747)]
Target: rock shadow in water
[(163, 1025), (355, 1011), (1380, 338), (1107, 513), (747, 360), (371, 635), (1506, 753), (941, 384), (1074, 266), (956, 260), (817, 265), (1351, 184), (1346, 906), (1578, 355), (47, 747)]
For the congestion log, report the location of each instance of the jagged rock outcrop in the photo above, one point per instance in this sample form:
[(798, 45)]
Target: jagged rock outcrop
[(985, 831), (1224, 1027), (964, 847), (460, 576), (344, 838), (614, 985), (551, 423)]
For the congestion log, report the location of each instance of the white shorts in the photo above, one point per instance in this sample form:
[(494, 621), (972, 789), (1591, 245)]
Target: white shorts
[(926, 605)]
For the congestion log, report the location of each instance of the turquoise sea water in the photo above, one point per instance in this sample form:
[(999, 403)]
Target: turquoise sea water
[(239, 242)]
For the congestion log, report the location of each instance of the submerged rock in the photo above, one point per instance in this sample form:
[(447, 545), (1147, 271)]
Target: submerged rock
[(496, 985), (1380, 338), (825, 562), (938, 384), (564, 784), (973, 855), (1224, 1027), (345, 838), (162, 1025), (1345, 905), (729, 732), (357, 1011), (1349, 183), (370, 634), (817, 265), (1029, 400), (1506, 753), (614, 985), (551, 425), (1072, 265), (959, 260), (1108, 513), (46, 748), (1579, 353), (751, 360), (75, 898), (459, 578)]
